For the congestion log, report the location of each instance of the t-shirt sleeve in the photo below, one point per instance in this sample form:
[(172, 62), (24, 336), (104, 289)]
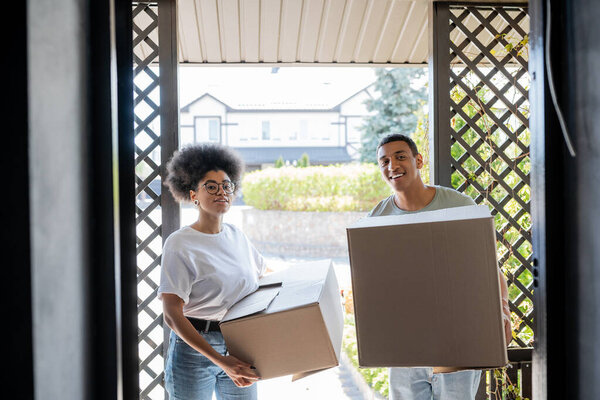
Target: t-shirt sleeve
[(466, 200), (259, 260), (175, 276), (376, 211)]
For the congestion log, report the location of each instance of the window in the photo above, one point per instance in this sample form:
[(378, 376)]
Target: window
[(353, 125), (266, 130), (207, 129), (303, 129), (213, 130)]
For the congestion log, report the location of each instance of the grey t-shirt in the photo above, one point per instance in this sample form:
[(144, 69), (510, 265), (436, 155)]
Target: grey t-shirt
[(444, 198)]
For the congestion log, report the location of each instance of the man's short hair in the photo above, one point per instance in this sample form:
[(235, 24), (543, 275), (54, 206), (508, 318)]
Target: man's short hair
[(398, 137)]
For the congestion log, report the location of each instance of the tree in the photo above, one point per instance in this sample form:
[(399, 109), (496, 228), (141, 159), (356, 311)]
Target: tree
[(279, 162), (395, 109), (304, 161)]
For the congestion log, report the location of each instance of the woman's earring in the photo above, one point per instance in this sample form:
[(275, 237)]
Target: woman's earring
[(195, 202)]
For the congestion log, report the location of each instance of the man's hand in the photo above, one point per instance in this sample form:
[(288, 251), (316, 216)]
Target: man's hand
[(241, 373), (507, 329), (505, 307)]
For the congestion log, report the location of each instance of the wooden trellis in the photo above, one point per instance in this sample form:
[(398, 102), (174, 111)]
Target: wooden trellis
[(490, 138), (148, 200), (481, 125), (481, 140)]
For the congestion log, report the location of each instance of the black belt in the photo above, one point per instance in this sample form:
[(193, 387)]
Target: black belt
[(205, 325)]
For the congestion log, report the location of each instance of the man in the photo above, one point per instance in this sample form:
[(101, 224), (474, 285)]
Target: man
[(400, 164)]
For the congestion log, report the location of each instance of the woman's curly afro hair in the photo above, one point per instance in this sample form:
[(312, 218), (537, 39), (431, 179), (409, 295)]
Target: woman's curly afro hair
[(189, 165)]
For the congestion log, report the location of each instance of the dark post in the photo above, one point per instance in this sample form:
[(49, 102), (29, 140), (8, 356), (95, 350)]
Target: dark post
[(566, 205), (104, 266), (169, 105), (169, 116), (15, 207), (439, 94), (126, 184)]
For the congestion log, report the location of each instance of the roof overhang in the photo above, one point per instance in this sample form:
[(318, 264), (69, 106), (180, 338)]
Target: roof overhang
[(311, 32)]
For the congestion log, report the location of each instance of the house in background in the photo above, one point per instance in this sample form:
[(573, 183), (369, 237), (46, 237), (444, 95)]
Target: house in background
[(265, 127)]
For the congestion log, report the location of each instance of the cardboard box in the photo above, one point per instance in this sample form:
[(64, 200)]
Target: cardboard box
[(295, 328), (426, 290)]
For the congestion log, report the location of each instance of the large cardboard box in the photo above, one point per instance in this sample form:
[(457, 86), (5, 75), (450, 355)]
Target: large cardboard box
[(426, 290), (292, 325)]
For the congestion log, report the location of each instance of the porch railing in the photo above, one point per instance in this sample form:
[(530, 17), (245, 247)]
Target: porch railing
[(510, 383)]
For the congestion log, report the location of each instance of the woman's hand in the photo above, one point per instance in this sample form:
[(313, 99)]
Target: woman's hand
[(241, 373)]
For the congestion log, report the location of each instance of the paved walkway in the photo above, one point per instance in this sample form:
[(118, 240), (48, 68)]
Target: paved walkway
[(332, 384)]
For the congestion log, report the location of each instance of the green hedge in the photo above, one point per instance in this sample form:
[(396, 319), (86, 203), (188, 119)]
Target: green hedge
[(347, 187)]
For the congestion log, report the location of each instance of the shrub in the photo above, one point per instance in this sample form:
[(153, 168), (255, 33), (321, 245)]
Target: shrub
[(304, 161), (376, 378), (348, 187), (279, 162)]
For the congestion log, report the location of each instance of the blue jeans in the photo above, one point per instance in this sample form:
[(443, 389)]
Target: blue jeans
[(423, 384), (191, 376)]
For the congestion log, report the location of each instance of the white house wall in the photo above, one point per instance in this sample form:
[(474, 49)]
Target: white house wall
[(355, 105), (206, 106), (288, 129)]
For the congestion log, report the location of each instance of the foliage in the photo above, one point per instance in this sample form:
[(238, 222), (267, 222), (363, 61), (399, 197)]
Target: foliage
[(143, 170), (518, 46), (485, 172), (395, 109), (504, 388), (348, 187), (421, 139), (304, 161), (279, 162), (377, 378)]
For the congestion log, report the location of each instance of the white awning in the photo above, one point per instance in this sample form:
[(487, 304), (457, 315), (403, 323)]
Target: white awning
[(306, 31)]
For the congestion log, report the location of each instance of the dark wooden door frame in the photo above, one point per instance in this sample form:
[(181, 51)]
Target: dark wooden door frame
[(566, 189)]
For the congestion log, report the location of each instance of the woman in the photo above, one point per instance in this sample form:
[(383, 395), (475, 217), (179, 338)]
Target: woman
[(206, 268)]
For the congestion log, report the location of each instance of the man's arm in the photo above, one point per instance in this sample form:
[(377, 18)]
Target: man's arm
[(505, 307)]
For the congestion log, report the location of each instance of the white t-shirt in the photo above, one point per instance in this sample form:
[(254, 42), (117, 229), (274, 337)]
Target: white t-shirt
[(209, 272)]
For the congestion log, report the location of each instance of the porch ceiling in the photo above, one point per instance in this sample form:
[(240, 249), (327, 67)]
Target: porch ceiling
[(305, 31)]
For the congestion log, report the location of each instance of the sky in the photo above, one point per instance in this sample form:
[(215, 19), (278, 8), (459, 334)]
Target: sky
[(237, 86)]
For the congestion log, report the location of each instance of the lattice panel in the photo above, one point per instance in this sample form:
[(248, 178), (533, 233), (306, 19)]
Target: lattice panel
[(148, 210), (490, 137)]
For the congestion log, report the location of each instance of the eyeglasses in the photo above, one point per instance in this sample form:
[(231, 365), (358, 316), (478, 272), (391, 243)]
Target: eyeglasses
[(212, 187)]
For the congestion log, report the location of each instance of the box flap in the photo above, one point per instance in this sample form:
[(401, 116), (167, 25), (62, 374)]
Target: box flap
[(302, 285), (333, 315), (443, 215), (253, 303), (301, 375), (263, 285)]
